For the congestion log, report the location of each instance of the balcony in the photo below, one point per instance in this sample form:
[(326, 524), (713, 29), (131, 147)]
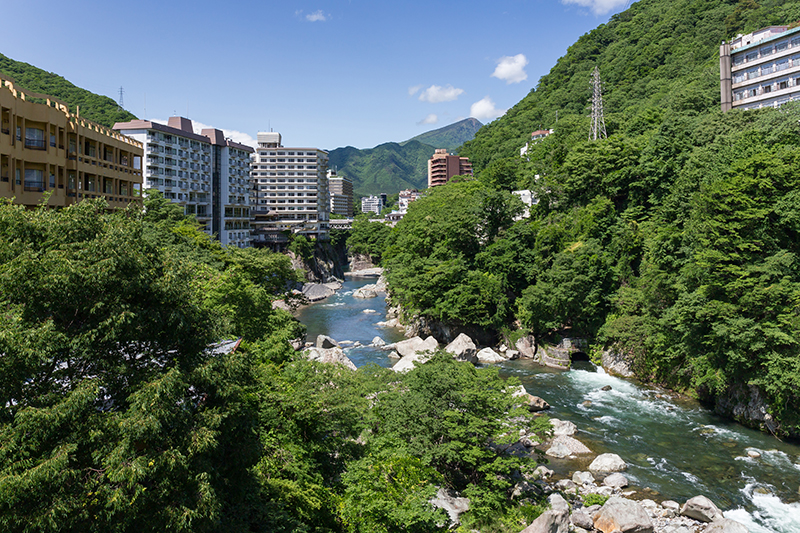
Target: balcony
[(35, 144), (36, 186)]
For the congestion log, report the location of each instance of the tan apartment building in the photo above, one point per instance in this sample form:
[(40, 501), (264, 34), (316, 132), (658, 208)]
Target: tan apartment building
[(443, 166), (45, 148)]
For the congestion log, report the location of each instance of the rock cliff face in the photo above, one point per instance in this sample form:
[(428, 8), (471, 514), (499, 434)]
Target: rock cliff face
[(361, 262), (747, 405), (445, 333), (324, 266)]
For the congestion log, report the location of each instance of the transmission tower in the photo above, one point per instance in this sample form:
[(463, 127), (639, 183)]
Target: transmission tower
[(598, 122), (121, 100)]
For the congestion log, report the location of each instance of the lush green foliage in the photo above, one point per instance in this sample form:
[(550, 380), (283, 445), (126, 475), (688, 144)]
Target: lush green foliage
[(100, 109), (368, 238), (387, 168), (449, 137), (675, 240)]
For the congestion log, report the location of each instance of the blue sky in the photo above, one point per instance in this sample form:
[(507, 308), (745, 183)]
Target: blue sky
[(323, 73)]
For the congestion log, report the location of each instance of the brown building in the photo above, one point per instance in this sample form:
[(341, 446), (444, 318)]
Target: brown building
[(45, 148), (341, 191), (443, 166)]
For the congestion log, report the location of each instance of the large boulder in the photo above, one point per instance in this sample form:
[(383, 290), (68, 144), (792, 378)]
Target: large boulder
[(325, 342), (559, 451), (615, 480), (378, 342), (452, 504), (726, 525), (581, 519), (701, 508), (416, 345), (626, 516), (582, 478), (552, 521), (572, 444), (463, 349), (489, 356), (617, 364), (367, 291), (606, 464), (331, 355), (526, 346), (536, 404), (317, 291), (563, 427)]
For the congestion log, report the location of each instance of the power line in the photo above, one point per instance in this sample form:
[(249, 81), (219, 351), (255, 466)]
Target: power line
[(121, 100), (598, 122)]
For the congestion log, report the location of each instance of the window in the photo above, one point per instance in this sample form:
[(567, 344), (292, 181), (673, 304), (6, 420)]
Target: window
[(752, 56), (783, 84), (34, 179), (781, 46), (752, 73), (766, 50), (766, 89), (34, 138)]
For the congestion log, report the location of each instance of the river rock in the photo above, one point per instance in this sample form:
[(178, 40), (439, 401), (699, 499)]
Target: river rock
[(325, 342), (364, 292), (454, 505), (416, 345), (391, 323), (626, 516), (671, 505), (606, 464), (563, 427), (526, 346), (463, 349), (566, 485), (523, 487), (394, 355), (557, 502), (726, 525), (573, 445), (606, 388), (378, 342), (536, 404), (331, 355), (701, 508), (317, 291), (581, 478), (489, 356), (552, 521), (615, 480), (512, 355), (559, 451), (581, 519), (617, 364), (541, 472)]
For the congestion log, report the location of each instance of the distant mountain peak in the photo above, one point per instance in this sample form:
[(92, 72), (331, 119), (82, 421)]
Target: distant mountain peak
[(450, 137)]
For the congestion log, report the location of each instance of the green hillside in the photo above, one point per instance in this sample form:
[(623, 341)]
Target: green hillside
[(388, 167), (100, 109), (674, 243), (449, 137)]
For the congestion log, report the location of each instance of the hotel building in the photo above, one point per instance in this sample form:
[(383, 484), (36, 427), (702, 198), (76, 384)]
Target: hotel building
[(203, 172), (760, 69), (46, 149), (341, 192), (289, 192), (443, 166)]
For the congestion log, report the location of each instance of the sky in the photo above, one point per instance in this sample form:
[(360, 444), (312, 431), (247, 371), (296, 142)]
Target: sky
[(323, 73)]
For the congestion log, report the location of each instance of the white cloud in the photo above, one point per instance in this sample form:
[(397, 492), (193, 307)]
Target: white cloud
[(436, 94), (485, 109), (430, 119), (235, 136), (316, 16), (414, 90), (598, 7), (511, 68)]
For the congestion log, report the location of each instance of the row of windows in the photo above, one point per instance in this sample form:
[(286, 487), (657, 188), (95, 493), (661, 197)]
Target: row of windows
[(765, 70), (765, 88), (273, 154), (766, 50)]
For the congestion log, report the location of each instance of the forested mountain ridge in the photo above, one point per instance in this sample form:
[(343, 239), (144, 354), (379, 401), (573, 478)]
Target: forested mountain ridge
[(674, 243), (449, 137), (97, 108), (656, 54)]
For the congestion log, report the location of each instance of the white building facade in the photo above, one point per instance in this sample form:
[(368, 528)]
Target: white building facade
[(289, 192), (760, 69), (372, 203), (203, 172)]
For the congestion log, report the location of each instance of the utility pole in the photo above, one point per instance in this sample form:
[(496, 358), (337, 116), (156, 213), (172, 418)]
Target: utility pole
[(598, 122), (121, 100)]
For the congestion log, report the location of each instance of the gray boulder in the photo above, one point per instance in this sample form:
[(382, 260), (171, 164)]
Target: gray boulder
[(626, 516), (552, 521), (463, 349), (573, 445), (367, 291), (563, 427), (394, 355), (581, 519), (331, 355), (415, 345), (617, 364), (606, 464), (581, 478), (378, 342), (323, 341), (452, 504), (557, 502), (559, 451), (536, 404), (615, 480), (726, 525), (488, 356), (316, 291), (512, 355), (702, 509), (526, 346)]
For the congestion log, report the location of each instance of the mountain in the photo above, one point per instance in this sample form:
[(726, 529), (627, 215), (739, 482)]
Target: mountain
[(389, 167), (450, 137), (392, 167), (97, 108)]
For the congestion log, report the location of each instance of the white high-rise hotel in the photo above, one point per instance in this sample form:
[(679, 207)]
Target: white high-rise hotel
[(290, 191), (206, 173)]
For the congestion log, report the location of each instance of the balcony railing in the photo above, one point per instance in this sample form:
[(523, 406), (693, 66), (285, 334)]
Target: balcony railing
[(37, 186), (35, 144)]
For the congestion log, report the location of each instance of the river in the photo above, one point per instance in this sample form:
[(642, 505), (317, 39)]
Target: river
[(674, 447)]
